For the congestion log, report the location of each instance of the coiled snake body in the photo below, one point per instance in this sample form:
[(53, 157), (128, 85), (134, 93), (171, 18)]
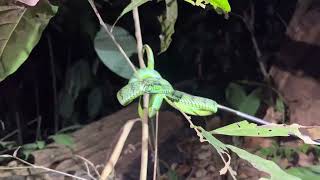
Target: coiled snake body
[(147, 80)]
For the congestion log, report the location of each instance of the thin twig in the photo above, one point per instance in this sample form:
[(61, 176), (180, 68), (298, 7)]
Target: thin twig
[(90, 163), (54, 85), (37, 167), (138, 35), (103, 24), (144, 139), (155, 165), (117, 150)]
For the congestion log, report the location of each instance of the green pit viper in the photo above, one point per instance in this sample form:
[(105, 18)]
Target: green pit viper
[(149, 81)]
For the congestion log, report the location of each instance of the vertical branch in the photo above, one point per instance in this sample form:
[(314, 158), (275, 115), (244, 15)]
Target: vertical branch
[(137, 28), (155, 165), (54, 85), (145, 125)]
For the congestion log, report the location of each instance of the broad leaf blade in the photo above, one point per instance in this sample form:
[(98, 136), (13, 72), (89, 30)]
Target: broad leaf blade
[(20, 31), (264, 165), (109, 53), (167, 21), (235, 95), (251, 104), (306, 133), (305, 173), (244, 128)]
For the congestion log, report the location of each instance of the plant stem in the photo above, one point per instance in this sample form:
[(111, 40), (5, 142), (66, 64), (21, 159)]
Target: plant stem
[(145, 125), (137, 28), (155, 165)]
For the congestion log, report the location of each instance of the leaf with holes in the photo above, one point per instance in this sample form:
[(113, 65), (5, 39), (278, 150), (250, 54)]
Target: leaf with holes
[(109, 53), (244, 128), (20, 30), (306, 133)]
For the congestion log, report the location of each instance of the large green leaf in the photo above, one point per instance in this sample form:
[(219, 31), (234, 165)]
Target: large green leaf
[(20, 30), (306, 173), (244, 128), (264, 165), (167, 21), (235, 95), (109, 53), (251, 104)]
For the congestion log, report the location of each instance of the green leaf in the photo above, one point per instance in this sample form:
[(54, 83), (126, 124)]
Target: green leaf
[(251, 104), (235, 95), (20, 30), (264, 165), (218, 5), (244, 128), (63, 139), (167, 21), (109, 53), (305, 173), (40, 144), (218, 145), (221, 4), (130, 7), (94, 104), (280, 105)]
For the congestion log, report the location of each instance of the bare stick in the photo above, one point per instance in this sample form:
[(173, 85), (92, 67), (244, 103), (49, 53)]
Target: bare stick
[(137, 28), (117, 150), (156, 149), (37, 167), (144, 139), (103, 24), (145, 125)]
